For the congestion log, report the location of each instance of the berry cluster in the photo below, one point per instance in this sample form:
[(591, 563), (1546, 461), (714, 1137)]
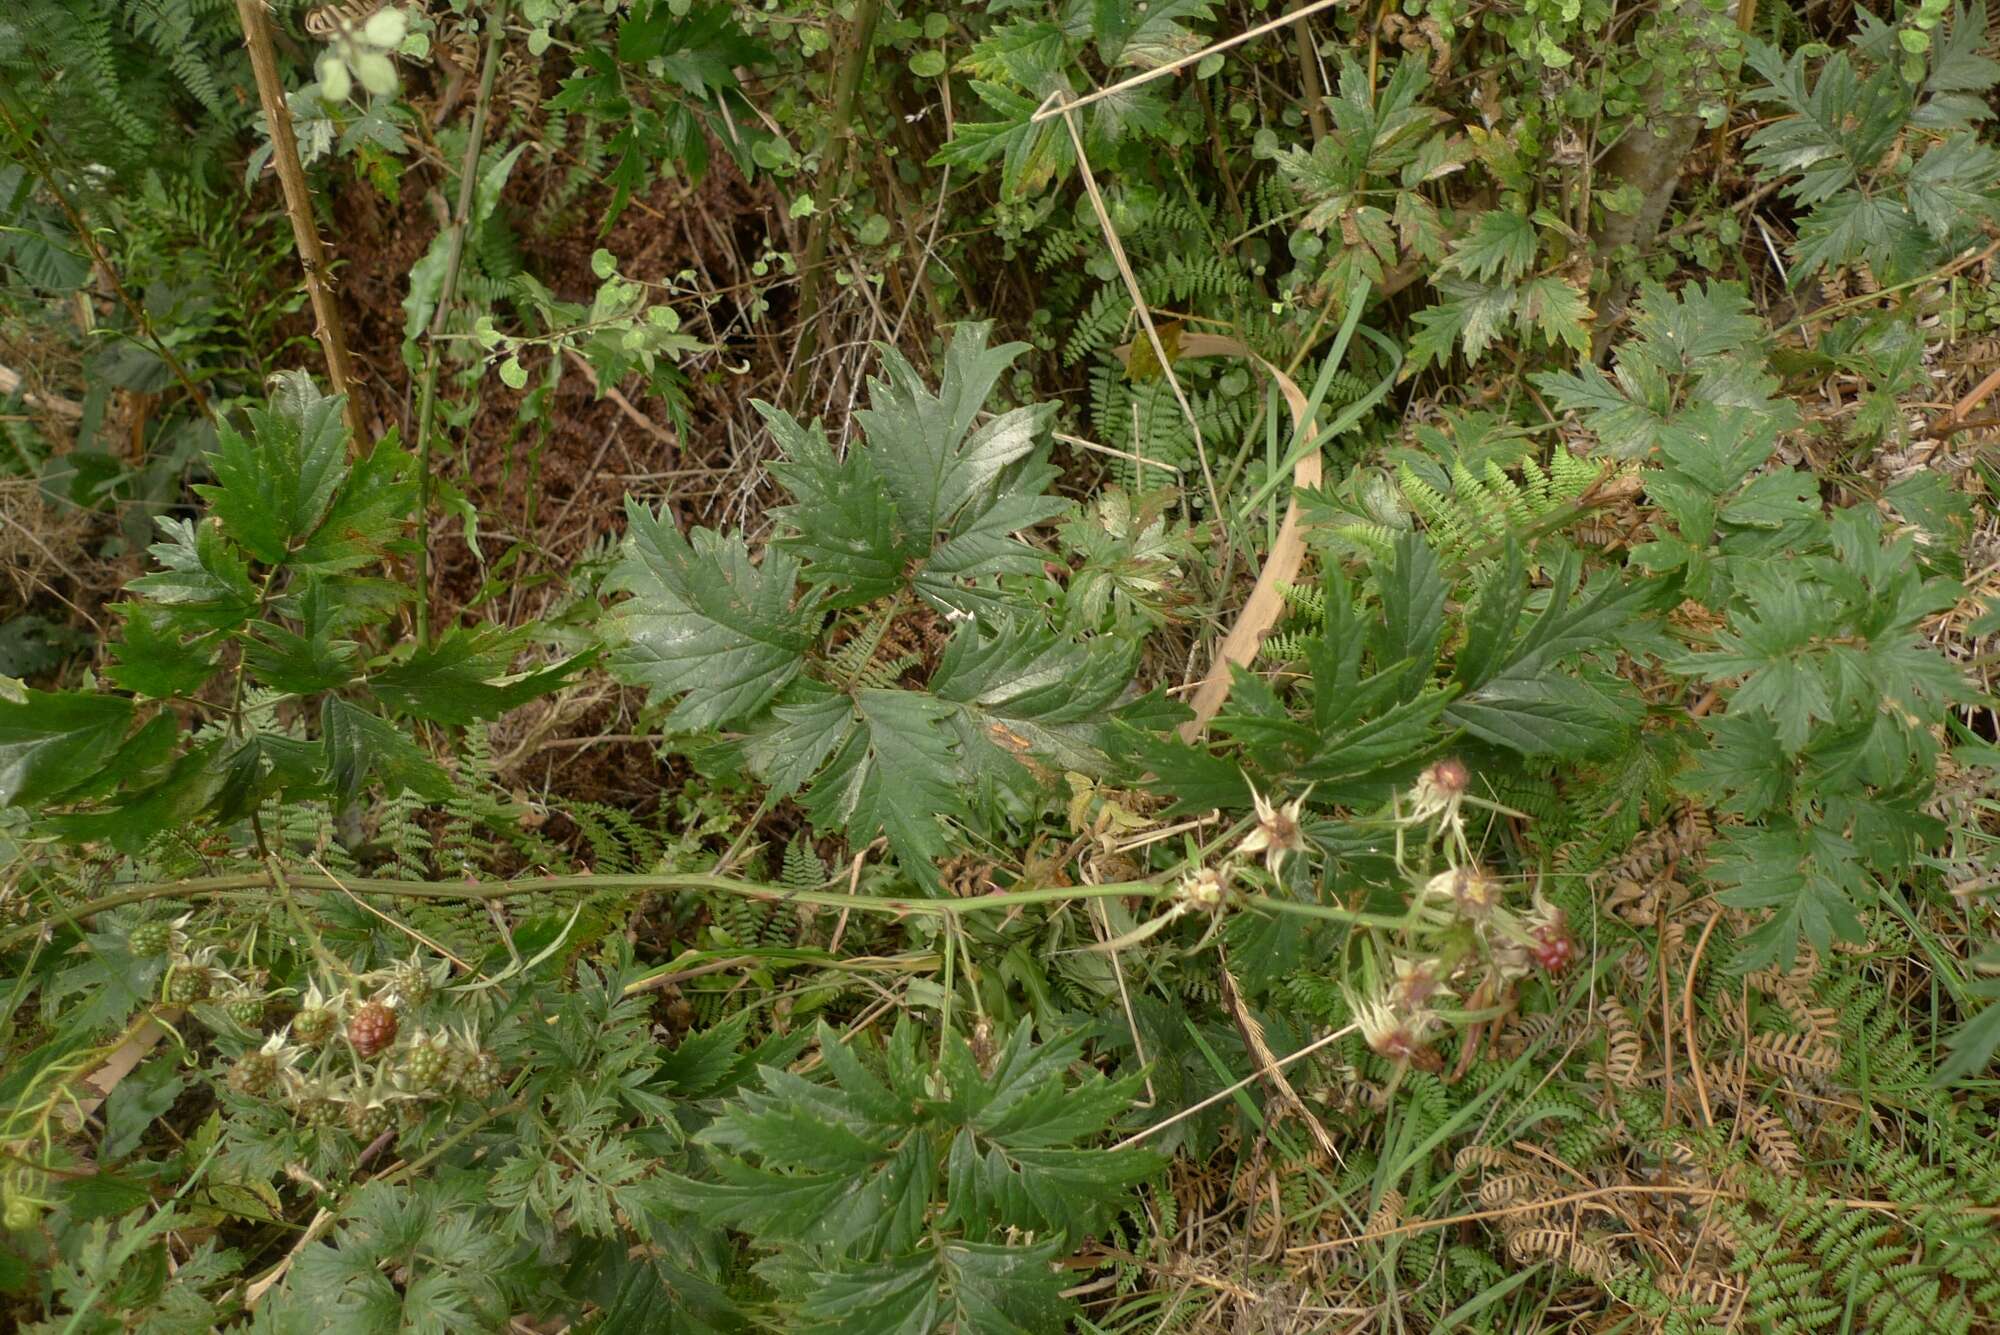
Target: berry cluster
[(350, 1056)]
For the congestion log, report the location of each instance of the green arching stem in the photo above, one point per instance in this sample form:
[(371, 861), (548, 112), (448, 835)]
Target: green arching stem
[(261, 883)]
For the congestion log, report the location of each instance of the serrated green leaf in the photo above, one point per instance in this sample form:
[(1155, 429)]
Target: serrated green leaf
[(894, 776), (467, 676), (1500, 243), (373, 506), (360, 746), (706, 624), (1547, 715), (153, 659), (205, 582), (308, 663), (274, 486), (50, 742), (1413, 597), (1022, 691), (1810, 880)]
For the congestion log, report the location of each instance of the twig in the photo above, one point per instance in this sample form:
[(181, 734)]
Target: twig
[(468, 177), (1248, 1080), (1139, 304), (1309, 80), (298, 206), (624, 405), (262, 882), (1173, 66), (1957, 419), (1687, 1020), (11, 383)]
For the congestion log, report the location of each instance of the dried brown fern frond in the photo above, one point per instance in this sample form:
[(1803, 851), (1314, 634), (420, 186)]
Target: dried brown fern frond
[(1771, 1137), (1624, 1049), (1802, 1057)]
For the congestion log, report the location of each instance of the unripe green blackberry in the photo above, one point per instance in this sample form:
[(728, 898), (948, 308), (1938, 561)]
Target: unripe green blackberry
[(426, 1065), (478, 1074), (313, 1025), (255, 1073), (149, 939), (317, 1110), (369, 1120), (411, 982), (246, 1008), (188, 983)]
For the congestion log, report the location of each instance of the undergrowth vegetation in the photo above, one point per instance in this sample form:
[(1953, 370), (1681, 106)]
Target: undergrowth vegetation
[(1112, 667)]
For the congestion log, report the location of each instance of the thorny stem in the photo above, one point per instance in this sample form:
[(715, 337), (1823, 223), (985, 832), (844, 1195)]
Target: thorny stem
[(468, 176), (298, 206), (846, 87), (261, 882)]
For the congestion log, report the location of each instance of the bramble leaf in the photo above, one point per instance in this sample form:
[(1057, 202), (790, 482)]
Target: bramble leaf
[(706, 624), (50, 742), (274, 486)]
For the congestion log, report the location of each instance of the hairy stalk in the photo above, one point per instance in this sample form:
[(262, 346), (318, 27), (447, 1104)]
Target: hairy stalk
[(259, 883), (468, 175), (298, 207), (845, 89)]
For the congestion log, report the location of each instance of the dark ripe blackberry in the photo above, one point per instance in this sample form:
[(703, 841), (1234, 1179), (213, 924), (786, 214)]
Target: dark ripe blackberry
[(246, 1008), (369, 1120), (255, 1073), (188, 983), (149, 939), (372, 1029), (313, 1025)]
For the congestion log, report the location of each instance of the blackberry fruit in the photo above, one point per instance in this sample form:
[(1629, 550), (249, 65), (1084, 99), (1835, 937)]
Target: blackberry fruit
[(313, 1025), (478, 1074), (246, 1008), (255, 1073), (426, 1065), (369, 1120), (372, 1029), (188, 983), (411, 982), (149, 939), (1553, 950), (315, 1108)]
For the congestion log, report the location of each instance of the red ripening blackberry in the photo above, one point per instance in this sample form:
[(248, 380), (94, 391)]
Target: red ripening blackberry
[(1553, 950), (372, 1029)]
